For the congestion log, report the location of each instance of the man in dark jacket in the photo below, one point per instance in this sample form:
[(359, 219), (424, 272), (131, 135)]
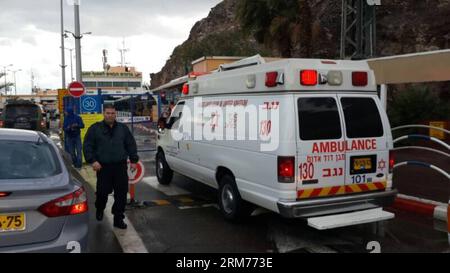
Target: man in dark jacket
[(107, 146), (72, 125)]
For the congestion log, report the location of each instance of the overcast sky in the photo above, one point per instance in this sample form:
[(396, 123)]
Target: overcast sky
[(30, 35)]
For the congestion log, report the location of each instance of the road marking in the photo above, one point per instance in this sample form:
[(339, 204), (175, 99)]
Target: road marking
[(128, 239), (199, 207), (161, 202), (292, 238), (169, 190)]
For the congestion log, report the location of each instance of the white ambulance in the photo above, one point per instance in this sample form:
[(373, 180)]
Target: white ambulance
[(300, 137)]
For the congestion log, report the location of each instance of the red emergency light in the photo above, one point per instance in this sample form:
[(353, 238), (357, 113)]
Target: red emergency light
[(359, 78), (308, 77), (185, 89), (271, 79)]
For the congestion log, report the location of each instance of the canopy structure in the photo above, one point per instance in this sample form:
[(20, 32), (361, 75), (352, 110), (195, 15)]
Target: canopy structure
[(429, 66)]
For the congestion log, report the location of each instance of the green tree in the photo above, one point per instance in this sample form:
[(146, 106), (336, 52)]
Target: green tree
[(416, 105), (2, 83), (279, 24)]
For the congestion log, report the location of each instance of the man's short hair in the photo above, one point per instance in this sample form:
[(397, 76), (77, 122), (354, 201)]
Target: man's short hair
[(109, 106)]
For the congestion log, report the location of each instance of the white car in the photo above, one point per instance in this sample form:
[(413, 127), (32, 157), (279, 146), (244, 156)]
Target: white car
[(318, 143)]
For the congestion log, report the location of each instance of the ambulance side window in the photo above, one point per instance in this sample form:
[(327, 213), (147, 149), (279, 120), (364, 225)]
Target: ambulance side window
[(362, 118), (176, 115), (319, 119)]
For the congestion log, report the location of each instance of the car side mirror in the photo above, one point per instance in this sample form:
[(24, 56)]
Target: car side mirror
[(162, 123)]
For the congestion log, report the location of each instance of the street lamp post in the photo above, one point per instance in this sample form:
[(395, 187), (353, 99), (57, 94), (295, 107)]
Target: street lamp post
[(15, 86), (77, 53), (71, 63), (63, 62), (77, 37)]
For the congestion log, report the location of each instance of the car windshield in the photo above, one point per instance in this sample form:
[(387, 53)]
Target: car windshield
[(14, 111), (27, 160)]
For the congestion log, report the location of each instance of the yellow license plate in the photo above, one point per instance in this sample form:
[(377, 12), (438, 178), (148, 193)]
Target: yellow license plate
[(362, 164), (12, 222)]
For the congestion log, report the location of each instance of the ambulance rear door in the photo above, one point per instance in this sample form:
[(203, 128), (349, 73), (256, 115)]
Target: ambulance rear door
[(367, 155), (321, 165)]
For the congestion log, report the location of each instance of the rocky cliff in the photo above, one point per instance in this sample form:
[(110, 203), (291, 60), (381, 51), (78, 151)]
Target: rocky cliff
[(402, 27)]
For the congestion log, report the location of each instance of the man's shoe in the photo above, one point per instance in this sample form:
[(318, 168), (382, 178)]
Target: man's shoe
[(120, 224), (99, 215)]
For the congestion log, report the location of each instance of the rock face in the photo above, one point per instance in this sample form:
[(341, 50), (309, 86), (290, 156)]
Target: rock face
[(219, 34), (402, 27)]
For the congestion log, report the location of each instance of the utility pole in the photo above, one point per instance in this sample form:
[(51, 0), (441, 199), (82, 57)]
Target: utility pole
[(77, 37), (15, 85), (71, 63), (63, 61), (33, 89), (358, 29)]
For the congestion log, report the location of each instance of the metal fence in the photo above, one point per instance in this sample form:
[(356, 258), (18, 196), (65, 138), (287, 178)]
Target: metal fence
[(139, 113)]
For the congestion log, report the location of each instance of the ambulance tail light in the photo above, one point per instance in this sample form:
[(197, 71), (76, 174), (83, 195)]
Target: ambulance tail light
[(308, 77), (271, 79), (359, 78), (391, 161), (286, 169), (185, 89)]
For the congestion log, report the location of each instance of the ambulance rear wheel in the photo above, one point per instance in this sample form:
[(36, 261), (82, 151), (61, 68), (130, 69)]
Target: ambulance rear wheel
[(163, 171), (232, 206)]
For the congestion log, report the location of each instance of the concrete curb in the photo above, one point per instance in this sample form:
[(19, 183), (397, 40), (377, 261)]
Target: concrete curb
[(421, 206)]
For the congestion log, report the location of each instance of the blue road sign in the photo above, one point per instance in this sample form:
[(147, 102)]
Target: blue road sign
[(91, 104)]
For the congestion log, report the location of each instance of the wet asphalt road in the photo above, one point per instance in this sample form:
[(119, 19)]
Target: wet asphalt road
[(191, 223)]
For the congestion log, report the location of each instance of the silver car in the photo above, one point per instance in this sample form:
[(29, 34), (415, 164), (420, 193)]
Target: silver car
[(43, 208)]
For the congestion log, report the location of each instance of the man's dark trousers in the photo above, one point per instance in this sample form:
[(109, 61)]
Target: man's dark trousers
[(113, 177)]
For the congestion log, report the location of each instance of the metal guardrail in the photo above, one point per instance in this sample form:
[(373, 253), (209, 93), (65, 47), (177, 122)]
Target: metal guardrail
[(423, 148), (423, 164), (420, 126), (429, 138), (422, 137)]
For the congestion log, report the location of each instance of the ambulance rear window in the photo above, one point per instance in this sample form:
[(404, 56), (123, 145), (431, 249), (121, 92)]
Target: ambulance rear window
[(318, 119), (362, 118)]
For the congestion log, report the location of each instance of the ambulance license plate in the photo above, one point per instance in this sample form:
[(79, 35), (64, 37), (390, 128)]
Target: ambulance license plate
[(12, 222), (362, 164)]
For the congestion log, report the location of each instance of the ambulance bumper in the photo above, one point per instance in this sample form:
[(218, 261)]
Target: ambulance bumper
[(333, 205)]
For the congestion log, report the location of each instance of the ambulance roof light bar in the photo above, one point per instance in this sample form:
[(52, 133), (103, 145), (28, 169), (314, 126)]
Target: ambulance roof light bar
[(250, 61)]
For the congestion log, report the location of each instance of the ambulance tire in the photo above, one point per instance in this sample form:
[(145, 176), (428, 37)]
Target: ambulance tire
[(232, 206), (163, 171)]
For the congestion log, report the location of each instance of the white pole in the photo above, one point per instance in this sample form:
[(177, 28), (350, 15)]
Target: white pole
[(63, 61), (77, 40)]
